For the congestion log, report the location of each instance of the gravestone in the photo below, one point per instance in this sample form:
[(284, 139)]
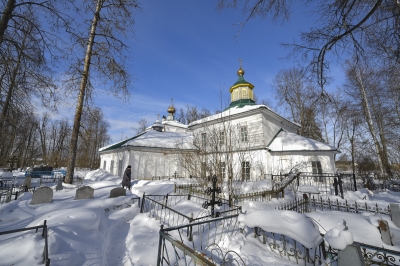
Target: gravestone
[(351, 256), (385, 232), (42, 195), (27, 183), (85, 192), (118, 191), (395, 210), (59, 185)]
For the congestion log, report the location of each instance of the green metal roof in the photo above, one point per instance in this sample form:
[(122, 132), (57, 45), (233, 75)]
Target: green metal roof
[(119, 144), (240, 103), (241, 80)]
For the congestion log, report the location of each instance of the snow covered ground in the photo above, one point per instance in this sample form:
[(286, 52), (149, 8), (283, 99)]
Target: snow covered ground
[(104, 231)]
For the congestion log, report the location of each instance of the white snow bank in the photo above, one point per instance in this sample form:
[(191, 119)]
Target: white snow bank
[(309, 189), (142, 240), (338, 238), (288, 223), (102, 175)]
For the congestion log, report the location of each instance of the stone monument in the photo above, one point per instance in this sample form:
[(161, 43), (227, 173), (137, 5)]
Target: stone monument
[(42, 195), (118, 191), (85, 192)]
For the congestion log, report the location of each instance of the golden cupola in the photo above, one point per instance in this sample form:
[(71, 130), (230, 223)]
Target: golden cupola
[(241, 91), (171, 110)]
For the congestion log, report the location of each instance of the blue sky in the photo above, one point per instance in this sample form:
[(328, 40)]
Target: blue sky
[(189, 51)]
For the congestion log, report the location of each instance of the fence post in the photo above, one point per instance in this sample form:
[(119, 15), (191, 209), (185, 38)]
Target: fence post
[(190, 230), (340, 186), (141, 207), (159, 246), (166, 202), (355, 183)]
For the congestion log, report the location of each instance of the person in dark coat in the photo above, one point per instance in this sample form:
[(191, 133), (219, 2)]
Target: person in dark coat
[(126, 179)]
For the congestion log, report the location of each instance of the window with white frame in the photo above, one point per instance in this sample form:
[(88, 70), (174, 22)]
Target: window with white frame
[(221, 138), (244, 93), (120, 168), (112, 167), (243, 134), (245, 171), (203, 139), (104, 165), (317, 170)]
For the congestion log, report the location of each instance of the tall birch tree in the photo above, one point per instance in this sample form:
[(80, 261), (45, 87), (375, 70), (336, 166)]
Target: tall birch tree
[(104, 59)]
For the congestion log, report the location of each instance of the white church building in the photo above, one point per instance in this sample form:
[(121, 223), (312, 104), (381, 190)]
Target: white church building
[(244, 142)]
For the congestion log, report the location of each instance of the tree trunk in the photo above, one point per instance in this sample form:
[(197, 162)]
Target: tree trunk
[(7, 14), (81, 96), (367, 113)]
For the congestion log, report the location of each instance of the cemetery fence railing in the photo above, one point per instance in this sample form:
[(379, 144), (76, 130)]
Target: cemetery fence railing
[(198, 243), (45, 254), (12, 192), (162, 207)]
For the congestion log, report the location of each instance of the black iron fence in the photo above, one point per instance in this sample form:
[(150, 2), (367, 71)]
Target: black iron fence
[(325, 183), (347, 206), (291, 249), (198, 243), (237, 199), (45, 254), (12, 192), (162, 207), (296, 252)]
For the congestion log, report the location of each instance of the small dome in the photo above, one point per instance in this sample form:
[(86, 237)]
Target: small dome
[(171, 109), (240, 72), (158, 126)]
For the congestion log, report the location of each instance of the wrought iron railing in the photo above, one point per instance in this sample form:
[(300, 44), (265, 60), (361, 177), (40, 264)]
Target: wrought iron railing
[(12, 192), (162, 207), (291, 249), (197, 243), (237, 199), (347, 206), (45, 254)]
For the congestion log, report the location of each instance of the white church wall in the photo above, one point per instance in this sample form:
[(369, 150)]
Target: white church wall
[(114, 162), (154, 164), (283, 164)]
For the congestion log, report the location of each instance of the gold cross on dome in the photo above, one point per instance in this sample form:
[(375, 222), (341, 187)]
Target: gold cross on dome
[(240, 62)]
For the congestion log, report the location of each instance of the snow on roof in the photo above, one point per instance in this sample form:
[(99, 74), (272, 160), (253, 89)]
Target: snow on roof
[(118, 144), (287, 141), (236, 110), (156, 139), (175, 123)]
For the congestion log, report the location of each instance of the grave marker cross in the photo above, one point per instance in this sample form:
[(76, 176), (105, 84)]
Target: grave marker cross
[(211, 191)]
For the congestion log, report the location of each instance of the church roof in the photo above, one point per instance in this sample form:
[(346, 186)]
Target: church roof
[(242, 81), (237, 110), (164, 140), (119, 144), (285, 141), (174, 123)]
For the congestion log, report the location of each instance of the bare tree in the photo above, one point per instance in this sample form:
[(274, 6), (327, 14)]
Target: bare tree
[(224, 149), (361, 80), (111, 20), (142, 125), (351, 27), (295, 91)]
